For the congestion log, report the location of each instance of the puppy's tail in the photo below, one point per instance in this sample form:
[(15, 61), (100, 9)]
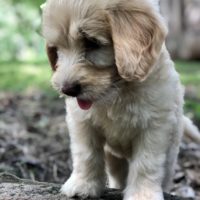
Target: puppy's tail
[(190, 130)]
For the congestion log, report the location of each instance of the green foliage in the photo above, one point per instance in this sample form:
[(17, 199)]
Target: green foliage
[(21, 76), (20, 21), (190, 71), (190, 76), (33, 3), (193, 109)]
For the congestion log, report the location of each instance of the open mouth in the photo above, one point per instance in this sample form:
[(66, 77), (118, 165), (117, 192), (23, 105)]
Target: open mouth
[(84, 104)]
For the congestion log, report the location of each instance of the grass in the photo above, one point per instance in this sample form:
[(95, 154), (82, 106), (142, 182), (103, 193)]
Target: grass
[(190, 76), (20, 76), (190, 72)]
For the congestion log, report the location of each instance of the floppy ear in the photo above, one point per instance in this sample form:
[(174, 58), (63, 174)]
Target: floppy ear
[(52, 56), (138, 36)]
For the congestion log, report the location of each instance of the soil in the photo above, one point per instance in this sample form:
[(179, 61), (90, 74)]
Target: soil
[(34, 143)]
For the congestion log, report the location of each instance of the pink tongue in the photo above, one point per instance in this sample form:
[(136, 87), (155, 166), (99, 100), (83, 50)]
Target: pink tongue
[(84, 104)]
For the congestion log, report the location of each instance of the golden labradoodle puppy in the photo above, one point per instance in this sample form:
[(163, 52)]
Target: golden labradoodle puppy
[(123, 95)]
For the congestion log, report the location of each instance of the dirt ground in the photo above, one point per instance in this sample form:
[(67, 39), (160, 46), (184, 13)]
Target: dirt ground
[(34, 143)]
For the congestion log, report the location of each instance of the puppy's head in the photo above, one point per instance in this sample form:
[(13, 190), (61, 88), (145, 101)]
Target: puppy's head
[(92, 44)]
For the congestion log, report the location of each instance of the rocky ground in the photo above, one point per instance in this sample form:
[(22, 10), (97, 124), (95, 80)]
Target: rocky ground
[(34, 143)]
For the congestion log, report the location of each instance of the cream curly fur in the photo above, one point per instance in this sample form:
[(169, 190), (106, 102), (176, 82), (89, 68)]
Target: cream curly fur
[(134, 126)]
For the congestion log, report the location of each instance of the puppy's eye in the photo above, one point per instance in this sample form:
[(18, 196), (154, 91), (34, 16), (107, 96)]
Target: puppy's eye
[(91, 43), (101, 55)]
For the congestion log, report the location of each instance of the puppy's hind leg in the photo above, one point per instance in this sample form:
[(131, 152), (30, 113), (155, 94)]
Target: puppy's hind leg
[(117, 170)]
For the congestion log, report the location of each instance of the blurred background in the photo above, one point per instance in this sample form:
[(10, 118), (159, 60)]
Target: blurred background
[(31, 112)]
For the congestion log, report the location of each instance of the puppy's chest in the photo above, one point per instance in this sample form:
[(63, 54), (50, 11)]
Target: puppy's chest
[(125, 118), (121, 125)]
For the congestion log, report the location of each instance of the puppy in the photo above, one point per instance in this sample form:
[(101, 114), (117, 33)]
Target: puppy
[(123, 95)]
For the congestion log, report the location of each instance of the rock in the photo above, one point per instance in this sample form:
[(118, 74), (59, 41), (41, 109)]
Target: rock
[(13, 188)]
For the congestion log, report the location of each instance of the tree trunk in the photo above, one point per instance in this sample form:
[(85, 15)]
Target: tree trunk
[(13, 188), (183, 19)]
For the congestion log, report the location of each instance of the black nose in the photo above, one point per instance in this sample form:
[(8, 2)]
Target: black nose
[(72, 90)]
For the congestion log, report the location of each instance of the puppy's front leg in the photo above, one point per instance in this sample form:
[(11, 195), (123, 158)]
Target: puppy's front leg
[(88, 176), (146, 167)]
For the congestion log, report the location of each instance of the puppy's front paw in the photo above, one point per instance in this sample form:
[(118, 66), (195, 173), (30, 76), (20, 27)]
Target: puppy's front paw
[(144, 194), (144, 197), (75, 186)]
